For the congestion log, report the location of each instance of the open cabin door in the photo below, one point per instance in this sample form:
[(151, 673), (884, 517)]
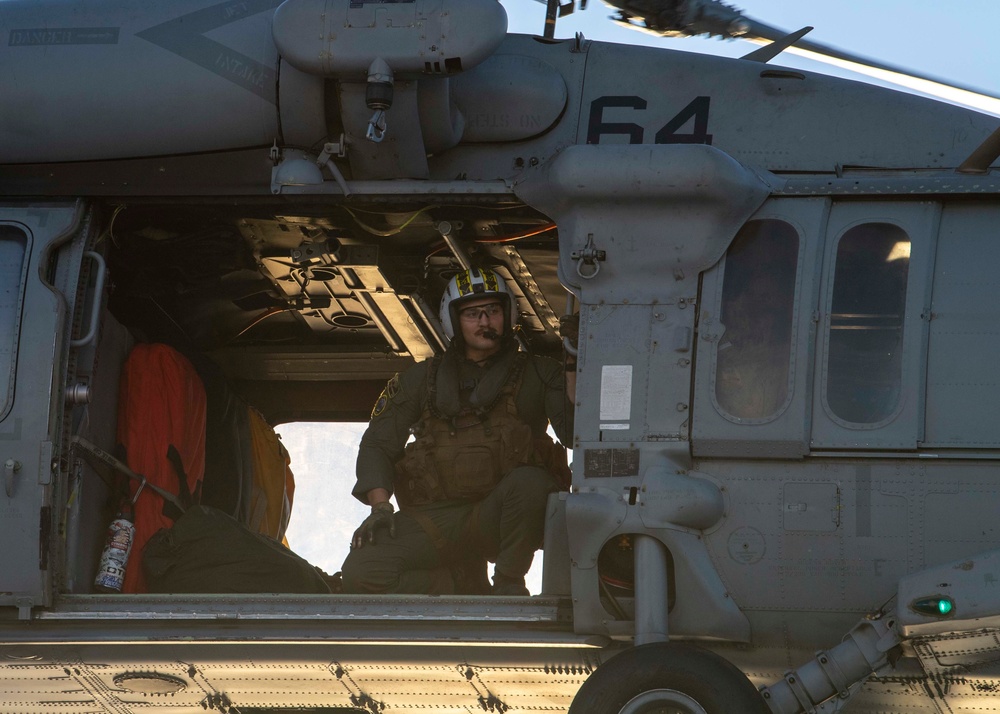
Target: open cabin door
[(41, 247)]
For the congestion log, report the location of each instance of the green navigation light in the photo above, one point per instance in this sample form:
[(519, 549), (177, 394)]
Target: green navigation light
[(935, 606)]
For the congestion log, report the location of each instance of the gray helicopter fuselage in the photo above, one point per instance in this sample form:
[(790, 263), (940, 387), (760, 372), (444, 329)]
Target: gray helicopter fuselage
[(784, 378)]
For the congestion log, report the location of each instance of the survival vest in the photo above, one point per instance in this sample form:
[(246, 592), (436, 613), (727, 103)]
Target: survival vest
[(463, 458)]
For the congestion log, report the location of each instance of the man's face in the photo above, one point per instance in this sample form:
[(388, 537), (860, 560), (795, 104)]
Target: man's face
[(481, 322)]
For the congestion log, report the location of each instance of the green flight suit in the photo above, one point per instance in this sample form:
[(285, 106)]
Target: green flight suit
[(437, 541)]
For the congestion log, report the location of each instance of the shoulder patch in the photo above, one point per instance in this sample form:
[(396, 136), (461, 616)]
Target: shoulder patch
[(380, 405), (390, 391)]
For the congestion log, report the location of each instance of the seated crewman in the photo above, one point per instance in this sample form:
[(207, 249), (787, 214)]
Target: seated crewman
[(473, 485)]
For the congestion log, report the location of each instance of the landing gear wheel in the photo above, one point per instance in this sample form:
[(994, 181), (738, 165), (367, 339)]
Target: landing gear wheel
[(667, 678)]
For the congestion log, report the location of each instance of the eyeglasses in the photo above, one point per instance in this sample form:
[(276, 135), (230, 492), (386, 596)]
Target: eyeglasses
[(475, 313)]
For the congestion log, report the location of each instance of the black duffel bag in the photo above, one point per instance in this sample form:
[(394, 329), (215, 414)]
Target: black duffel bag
[(208, 551)]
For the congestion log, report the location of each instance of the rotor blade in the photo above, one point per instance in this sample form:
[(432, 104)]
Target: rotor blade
[(766, 53), (551, 13), (673, 18), (760, 33)]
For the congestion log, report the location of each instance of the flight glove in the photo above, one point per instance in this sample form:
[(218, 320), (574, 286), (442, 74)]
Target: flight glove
[(381, 517)]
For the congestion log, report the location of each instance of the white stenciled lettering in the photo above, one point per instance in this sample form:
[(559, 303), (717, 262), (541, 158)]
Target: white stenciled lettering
[(64, 36), (236, 10), (238, 68), (41, 37), (489, 121)]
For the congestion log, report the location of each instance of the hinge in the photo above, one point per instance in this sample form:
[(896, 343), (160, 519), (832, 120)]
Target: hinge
[(24, 605)]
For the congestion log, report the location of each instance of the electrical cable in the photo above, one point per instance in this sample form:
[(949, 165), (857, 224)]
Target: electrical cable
[(519, 236), (260, 318), (391, 232), (110, 232)]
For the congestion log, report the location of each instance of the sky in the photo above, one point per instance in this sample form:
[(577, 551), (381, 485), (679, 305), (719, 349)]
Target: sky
[(954, 41)]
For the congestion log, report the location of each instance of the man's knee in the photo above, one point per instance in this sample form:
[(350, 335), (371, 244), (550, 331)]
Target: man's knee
[(522, 493), (530, 482), (351, 572), (362, 574)]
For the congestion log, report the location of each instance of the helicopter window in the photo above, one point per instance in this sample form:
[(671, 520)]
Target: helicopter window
[(758, 298), (13, 246), (864, 369)]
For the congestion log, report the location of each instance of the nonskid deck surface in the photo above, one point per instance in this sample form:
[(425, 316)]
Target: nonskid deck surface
[(243, 653)]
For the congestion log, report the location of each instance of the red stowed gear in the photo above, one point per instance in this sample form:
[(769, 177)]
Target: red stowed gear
[(161, 404)]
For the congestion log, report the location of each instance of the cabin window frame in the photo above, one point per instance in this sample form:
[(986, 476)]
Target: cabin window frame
[(793, 321), (902, 432), (787, 434), (830, 330), (12, 319)]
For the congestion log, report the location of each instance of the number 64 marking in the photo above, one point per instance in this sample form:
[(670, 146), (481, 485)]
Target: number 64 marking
[(697, 110)]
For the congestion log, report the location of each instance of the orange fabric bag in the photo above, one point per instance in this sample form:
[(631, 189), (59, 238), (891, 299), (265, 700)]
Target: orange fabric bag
[(161, 427)]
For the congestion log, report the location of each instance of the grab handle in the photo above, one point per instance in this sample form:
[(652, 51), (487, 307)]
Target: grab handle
[(95, 312)]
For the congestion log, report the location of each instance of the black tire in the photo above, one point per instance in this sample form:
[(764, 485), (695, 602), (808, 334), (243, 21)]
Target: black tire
[(668, 678)]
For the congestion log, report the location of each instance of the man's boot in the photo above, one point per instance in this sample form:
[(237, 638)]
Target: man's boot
[(470, 576), (509, 587)]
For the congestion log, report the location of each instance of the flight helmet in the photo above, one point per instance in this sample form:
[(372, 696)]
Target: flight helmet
[(471, 284)]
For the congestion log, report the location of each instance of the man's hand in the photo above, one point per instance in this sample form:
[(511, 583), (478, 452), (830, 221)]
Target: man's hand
[(569, 328), (381, 517)]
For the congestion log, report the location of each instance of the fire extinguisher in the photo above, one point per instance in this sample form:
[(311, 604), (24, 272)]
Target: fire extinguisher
[(121, 533)]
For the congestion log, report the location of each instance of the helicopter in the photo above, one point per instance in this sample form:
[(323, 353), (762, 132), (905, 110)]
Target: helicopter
[(777, 287)]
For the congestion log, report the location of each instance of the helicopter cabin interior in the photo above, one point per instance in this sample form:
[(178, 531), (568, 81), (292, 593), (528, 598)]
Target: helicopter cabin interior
[(290, 317), (833, 328)]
